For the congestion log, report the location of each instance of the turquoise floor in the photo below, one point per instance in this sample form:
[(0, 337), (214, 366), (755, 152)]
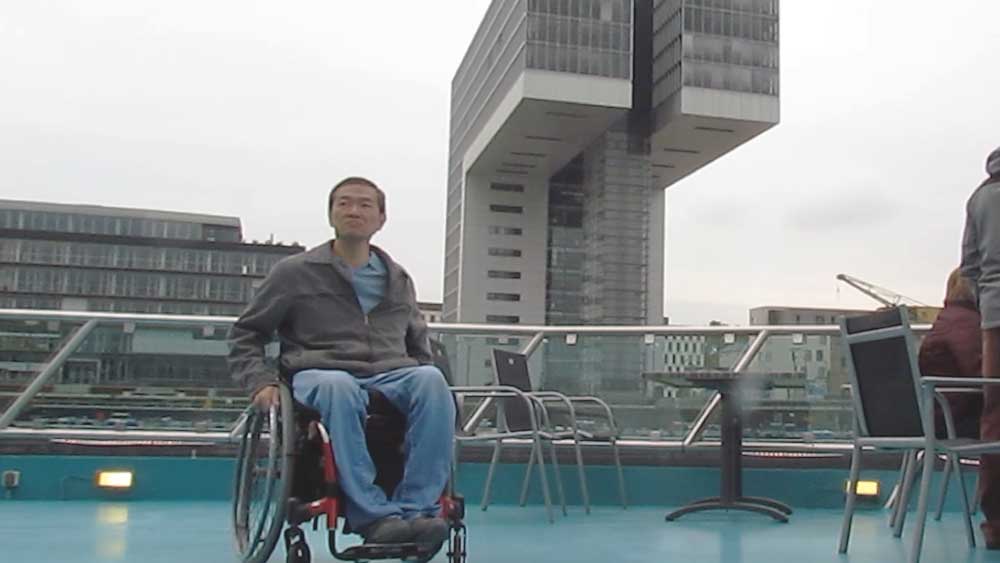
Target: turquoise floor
[(196, 532)]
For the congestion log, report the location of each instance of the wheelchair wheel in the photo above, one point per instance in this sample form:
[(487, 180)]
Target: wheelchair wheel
[(263, 479)]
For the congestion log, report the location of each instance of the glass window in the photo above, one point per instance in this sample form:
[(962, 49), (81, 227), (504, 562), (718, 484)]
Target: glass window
[(503, 275), (511, 231), (503, 319), (505, 252), (506, 208), (507, 187), (607, 10)]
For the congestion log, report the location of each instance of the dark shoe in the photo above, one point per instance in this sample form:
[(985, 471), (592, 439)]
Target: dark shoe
[(991, 534), (429, 531), (391, 529)]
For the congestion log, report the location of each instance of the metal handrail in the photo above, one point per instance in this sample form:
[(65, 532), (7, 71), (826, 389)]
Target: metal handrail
[(537, 332), (103, 318)]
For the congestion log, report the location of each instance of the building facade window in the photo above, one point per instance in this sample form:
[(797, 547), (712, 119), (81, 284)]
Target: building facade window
[(503, 275), (494, 296), (500, 187), (505, 252), (503, 319), (516, 209), (580, 37), (509, 231)]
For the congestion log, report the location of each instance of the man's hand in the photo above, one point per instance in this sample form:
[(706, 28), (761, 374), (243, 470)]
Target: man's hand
[(265, 397)]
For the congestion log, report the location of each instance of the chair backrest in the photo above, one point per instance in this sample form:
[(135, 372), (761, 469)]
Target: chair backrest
[(881, 362), (439, 355), (511, 368)]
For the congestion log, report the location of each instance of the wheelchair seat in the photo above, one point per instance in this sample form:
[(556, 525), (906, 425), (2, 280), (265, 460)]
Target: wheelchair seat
[(385, 432)]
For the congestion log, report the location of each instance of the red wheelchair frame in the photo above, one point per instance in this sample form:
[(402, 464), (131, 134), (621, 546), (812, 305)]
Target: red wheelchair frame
[(298, 512)]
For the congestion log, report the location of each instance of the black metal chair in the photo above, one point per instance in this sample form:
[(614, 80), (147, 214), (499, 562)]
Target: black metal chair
[(511, 369)]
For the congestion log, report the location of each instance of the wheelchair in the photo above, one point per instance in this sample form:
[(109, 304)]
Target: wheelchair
[(285, 474)]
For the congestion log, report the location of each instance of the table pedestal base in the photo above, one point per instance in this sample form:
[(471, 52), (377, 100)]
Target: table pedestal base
[(767, 506)]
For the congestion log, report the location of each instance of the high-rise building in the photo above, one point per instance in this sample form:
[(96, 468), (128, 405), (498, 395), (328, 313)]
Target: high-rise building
[(569, 118), (568, 121)]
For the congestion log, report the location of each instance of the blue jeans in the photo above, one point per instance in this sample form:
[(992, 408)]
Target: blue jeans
[(420, 393)]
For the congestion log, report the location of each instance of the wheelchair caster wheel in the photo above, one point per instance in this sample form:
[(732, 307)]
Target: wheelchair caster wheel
[(296, 549), (299, 553), (456, 546)]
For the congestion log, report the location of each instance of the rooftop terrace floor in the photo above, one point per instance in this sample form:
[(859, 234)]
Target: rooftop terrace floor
[(196, 532)]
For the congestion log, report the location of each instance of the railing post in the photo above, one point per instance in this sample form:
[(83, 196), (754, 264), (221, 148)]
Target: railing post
[(532, 344), (238, 428), (43, 376)]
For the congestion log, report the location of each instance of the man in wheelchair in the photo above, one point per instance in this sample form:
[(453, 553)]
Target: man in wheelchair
[(348, 325)]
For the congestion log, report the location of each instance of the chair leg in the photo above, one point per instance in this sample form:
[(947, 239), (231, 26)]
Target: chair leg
[(544, 479), (621, 474), (526, 480), (584, 492), (922, 503), (975, 496), (905, 493), (966, 508), (893, 501), (943, 490), (487, 487), (845, 528), (555, 470)]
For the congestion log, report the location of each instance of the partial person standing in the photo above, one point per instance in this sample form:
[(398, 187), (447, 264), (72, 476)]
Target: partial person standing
[(981, 265)]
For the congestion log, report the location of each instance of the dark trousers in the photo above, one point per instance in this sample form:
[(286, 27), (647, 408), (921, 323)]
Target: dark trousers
[(989, 469)]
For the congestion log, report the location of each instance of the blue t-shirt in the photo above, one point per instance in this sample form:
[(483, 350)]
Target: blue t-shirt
[(369, 282)]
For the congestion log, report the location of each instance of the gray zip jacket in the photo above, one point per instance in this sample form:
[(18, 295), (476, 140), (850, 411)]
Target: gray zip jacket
[(981, 250), (308, 299)]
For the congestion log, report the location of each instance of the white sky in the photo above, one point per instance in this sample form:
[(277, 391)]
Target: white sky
[(254, 109)]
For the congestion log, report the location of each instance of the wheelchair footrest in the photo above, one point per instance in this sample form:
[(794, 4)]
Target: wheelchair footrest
[(372, 551)]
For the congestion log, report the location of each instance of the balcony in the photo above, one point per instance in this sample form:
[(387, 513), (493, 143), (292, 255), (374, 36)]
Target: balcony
[(84, 392)]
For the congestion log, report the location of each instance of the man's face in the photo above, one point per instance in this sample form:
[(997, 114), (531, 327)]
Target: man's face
[(355, 214)]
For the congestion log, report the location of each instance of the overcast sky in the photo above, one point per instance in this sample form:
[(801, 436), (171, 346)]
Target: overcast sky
[(253, 109)]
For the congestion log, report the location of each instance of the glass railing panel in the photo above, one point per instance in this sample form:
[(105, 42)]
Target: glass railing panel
[(138, 374), (129, 376), (26, 346), (470, 362), (796, 390), (626, 372)]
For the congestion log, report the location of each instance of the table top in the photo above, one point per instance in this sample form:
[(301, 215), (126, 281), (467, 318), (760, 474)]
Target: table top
[(699, 376), (716, 378)]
